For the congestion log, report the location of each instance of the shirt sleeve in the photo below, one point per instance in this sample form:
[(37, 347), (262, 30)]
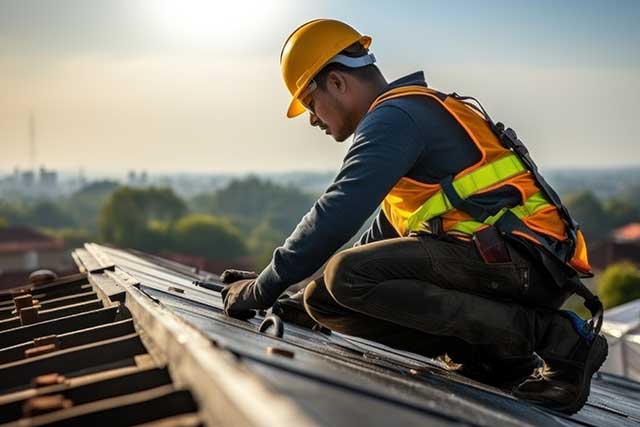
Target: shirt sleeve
[(386, 145)]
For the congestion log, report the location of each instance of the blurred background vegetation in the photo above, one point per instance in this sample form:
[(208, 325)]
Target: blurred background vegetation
[(250, 216)]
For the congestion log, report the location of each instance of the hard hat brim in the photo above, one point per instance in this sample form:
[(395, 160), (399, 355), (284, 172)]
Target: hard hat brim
[(295, 108)]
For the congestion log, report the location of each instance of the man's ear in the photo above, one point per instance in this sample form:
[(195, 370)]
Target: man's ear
[(337, 81)]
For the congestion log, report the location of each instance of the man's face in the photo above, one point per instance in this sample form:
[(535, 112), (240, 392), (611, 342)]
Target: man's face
[(329, 110)]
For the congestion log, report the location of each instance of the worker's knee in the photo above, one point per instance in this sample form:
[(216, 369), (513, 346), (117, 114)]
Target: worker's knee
[(340, 277), (311, 292), (318, 303)]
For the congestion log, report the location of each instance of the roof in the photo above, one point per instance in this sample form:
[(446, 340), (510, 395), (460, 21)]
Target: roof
[(629, 232), (339, 380), (621, 326), (603, 253), (22, 239), (623, 317), (231, 373)]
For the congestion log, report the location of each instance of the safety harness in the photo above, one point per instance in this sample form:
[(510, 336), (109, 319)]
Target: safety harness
[(568, 279), (454, 194)]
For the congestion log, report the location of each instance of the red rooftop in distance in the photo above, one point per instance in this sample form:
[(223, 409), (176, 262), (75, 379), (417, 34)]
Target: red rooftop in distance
[(22, 239), (627, 233)]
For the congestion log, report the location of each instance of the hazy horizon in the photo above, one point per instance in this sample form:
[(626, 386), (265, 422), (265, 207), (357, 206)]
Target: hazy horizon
[(122, 173), (192, 86)]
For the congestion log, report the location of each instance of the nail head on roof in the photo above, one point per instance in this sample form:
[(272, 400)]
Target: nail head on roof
[(280, 352)]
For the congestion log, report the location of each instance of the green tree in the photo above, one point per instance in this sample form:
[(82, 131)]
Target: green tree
[(621, 211), (619, 283), (588, 211), (266, 212), (252, 201), (72, 237), (13, 213), (262, 242), (3, 223), (86, 203), (630, 195), (48, 214), (208, 236), (130, 217)]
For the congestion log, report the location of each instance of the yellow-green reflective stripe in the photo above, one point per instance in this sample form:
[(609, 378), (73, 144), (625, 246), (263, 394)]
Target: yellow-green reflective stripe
[(531, 206), (481, 178), (488, 175), (435, 205)]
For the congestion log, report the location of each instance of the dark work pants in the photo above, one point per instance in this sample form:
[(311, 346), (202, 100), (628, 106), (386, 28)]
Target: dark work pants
[(434, 295)]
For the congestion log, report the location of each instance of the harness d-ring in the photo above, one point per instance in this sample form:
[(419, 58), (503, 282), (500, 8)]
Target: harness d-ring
[(272, 325)]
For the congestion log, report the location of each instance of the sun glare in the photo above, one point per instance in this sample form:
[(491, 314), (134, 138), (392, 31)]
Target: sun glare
[(211, 20)]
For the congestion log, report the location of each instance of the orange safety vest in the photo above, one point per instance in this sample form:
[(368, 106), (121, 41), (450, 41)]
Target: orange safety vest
[(410, 202)]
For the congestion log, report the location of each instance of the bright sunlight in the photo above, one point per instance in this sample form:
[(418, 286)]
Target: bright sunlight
[(232, 21)]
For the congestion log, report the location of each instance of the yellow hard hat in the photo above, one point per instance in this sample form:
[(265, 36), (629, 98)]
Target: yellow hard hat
[(308, 49)]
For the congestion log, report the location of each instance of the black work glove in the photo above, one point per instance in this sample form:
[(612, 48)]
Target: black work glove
[(240, 297), (230, 275)]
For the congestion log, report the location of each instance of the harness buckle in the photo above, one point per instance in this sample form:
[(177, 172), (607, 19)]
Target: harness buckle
[(510, 140), (595, 306)]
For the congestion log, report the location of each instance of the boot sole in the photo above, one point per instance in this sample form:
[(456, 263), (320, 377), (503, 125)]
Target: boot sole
[(597, 355)]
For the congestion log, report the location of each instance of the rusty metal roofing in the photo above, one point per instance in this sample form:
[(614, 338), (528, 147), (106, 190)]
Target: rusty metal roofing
[(133, 341)]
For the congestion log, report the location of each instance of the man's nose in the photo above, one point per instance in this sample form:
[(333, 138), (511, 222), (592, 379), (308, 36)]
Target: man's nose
[(313, 119)]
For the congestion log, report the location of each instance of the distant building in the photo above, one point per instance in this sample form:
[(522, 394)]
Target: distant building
[(622, 245), (27, 179), (43, 184), (137, 179), (48, 178), (627, 233), (23, 250)]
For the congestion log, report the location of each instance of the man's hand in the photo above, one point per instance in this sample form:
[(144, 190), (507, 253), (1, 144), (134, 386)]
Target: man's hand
[(240, 297), (229, 276)]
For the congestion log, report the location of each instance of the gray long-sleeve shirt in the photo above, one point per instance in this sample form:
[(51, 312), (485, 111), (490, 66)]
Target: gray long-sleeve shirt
[(411, 136)]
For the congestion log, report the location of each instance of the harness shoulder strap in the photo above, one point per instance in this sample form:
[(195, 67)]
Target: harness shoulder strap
[(407, 91)]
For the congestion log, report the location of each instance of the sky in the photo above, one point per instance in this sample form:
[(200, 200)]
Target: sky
[(195, 85)]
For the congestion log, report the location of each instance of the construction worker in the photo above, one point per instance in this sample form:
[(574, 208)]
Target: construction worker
[(472, 253)]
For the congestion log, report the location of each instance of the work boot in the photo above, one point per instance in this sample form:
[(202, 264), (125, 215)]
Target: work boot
[(503, 374), (473, 362), (564, 383)]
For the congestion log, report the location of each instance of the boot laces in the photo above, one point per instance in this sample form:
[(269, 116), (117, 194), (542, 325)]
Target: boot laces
[(543, 373)]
